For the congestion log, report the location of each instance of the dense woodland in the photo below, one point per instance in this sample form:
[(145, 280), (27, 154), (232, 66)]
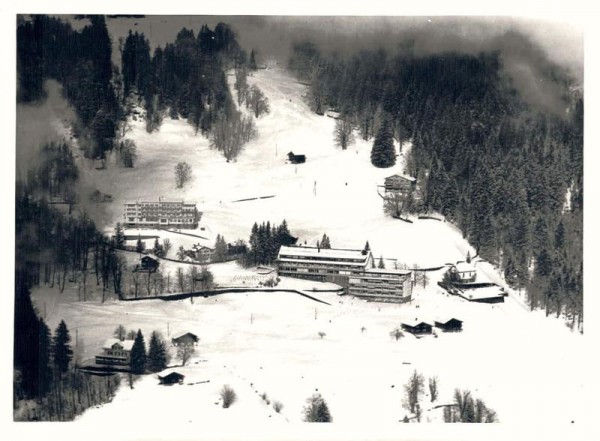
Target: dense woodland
[(185, 79), (509, 175)]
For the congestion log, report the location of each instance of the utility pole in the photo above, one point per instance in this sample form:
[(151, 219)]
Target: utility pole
[(315, 313), (168, 330)]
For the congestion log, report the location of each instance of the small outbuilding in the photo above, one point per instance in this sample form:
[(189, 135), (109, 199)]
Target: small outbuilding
[(418, 327), (187, 339), (172, 378), (448, 325), (149, 263), (296, 159)]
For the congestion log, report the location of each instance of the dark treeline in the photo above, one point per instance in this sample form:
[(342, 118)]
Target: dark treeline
[(48, 48), (184, 79), (53, 248), (265, 241), (45, 387), (489, 161)]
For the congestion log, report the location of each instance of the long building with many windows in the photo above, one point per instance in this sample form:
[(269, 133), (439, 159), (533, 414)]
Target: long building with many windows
[(161, 213), (351, 269)]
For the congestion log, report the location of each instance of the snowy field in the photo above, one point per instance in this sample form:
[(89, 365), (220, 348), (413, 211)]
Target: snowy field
[(532, 370)]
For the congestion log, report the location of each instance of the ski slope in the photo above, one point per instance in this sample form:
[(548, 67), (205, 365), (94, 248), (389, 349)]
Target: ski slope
[(532, 370)]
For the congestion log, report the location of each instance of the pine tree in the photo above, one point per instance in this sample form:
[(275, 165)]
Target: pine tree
[(220, 253), (157, 353), (138, 354), (63, 353), (367, 247), (381, 265), (252, 60), (325, 242), (383, 154), (140, 246), (119, 236), (316, 410)]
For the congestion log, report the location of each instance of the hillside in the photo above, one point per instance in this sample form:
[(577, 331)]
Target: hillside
[(268, 342), (345, 205)]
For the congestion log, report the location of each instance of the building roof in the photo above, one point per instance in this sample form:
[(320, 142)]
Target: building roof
[(407, 178), (127, 344), (417, 323), (321, 253), (446, 320), (486, 292), (387, 271), (183, 334), (464, 267)]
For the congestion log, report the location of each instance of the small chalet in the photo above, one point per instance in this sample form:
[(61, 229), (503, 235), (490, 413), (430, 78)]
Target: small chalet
[(172, 378), (448, 325), (296, 159), (417, 328), (202, 253), (187, 339), (115, 352), (463, 272), (149, 264), (399, 183)]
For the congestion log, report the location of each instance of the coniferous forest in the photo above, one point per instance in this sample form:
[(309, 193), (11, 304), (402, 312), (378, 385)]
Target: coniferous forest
[(507, 173)]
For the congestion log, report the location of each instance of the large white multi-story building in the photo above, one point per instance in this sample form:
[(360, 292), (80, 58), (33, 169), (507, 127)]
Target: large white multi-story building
[(351, 269), (161, 213)]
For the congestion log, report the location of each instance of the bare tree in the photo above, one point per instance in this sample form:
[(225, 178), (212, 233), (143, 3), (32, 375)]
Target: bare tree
[(433, 388), (183, 173), (343, 133), (185, 352), (120, 332), (167, 246), (257, 101), (180, 279), (413, 389), (396, 203), (135, 279), (397, 334)]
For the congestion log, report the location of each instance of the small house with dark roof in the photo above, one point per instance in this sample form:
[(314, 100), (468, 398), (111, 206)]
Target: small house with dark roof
[(187, 339), (448, 325), (296, 159), (172, 378), (419, 327), (149, 264)]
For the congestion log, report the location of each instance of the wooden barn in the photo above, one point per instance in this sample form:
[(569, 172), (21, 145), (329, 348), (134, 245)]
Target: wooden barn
[(399, 183), (417, 328), (149, 264), (448, 325), (296, 159), (172, 378), (187, 339)]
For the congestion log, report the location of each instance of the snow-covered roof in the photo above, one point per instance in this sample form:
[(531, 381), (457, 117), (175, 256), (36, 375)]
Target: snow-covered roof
[(322, 253), (463, 267), (486, 292), (387, 271), (181, 334), (408, 178), (126, 344)]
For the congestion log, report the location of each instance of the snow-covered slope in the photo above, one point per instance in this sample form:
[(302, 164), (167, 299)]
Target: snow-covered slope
[(530, 369), (334, 192)]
